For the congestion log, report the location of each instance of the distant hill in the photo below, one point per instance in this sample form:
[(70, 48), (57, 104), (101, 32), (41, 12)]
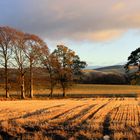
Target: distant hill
[(105, 75), (115, 69), (93, 67)]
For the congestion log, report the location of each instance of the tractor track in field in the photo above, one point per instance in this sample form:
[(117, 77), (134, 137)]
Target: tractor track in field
[(35, 113), (78, 126), (92, 114), (81, 125), (82, 112), (33, 128), (59, 115), (48, 131), (66, 112), (67, 122)]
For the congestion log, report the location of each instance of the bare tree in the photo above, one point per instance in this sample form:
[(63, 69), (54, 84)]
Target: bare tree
[(33, 44), (6, 43), (20, 60)]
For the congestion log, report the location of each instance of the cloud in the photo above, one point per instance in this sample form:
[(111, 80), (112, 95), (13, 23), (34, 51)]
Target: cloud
[(119, 6), (103, 35), (75, 19)]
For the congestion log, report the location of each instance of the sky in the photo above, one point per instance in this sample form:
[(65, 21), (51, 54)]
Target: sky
[(101, 32)]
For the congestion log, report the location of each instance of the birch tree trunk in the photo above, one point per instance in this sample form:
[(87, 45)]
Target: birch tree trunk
[(6, 81), (22, 86), (31, 81)]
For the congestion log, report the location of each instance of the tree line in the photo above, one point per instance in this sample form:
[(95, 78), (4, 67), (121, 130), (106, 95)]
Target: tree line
[(104, 78), (24, 51)]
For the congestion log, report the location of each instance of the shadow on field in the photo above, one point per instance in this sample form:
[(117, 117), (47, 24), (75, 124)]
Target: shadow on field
[(59, 96), (131, 95)]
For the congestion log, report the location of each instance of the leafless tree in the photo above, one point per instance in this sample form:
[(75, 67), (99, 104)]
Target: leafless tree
[(20, 59), (33, 44), (6, 43)]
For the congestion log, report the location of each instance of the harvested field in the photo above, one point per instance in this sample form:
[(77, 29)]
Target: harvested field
[(73, 119)]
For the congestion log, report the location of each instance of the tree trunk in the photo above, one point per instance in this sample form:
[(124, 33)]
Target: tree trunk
[(31, 81), (6, 81), (51, 92), (139, 67), (52, 86), (64, 92), (22, 87)]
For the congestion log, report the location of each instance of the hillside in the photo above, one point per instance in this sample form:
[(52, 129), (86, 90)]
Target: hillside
[(115, 68), (106, 75)]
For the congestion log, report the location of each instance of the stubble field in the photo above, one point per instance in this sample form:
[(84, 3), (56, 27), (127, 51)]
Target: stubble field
[(73, 119)]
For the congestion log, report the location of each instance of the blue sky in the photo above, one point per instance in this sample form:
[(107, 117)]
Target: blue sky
[(112, 52), (101, 32)]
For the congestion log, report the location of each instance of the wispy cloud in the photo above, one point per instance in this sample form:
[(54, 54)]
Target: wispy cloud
[(99, 36)]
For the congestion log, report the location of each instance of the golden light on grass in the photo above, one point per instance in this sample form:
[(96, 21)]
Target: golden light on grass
[(72, 118)]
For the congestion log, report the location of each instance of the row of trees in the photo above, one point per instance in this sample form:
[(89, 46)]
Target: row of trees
[(24, 52)]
